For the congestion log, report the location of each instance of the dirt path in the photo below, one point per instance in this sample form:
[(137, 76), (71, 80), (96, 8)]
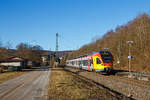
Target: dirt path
[(30, 86)]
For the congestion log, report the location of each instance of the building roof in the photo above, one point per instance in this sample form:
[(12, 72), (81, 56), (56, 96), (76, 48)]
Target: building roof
[(14, 59)]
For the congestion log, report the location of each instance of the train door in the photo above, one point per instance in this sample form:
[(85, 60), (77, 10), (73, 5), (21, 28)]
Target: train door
[(80, 64), (90, 64), (96, 62)]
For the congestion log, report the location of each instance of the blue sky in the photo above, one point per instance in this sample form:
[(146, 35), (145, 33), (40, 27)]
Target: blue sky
[(78, 22)]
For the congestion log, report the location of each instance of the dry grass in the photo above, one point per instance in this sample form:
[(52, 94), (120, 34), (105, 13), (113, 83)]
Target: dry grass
[(9, 75), (65, 86)]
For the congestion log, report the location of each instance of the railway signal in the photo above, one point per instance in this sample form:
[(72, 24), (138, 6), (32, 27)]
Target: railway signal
[(130, 57)]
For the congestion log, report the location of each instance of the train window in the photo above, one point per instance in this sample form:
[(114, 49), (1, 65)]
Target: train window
[(85, 62), (107, 58), (81, 61), (98, 61)]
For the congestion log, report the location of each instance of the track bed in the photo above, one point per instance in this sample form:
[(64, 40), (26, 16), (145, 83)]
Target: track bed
[(66, 85), (129, 87)]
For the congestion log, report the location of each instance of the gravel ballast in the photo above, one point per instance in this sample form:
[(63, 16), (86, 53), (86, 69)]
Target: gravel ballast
[(128, 89)]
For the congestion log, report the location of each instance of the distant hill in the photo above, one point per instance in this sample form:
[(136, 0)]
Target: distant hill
[(5, 53), (59, 53)]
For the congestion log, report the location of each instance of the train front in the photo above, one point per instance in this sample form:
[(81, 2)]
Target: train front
[(107, 60)]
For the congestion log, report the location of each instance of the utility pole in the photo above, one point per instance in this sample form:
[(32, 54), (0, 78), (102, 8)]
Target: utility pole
[(56, 55), (119, 52), (56, 42)]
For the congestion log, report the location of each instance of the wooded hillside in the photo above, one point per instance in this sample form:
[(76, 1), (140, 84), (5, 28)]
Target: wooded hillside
[(137, 30)]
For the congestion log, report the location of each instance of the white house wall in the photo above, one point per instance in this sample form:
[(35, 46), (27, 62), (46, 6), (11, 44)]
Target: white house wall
[(11, 64)]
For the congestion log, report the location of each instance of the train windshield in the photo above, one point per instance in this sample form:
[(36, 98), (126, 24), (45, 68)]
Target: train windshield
[(107, 57)]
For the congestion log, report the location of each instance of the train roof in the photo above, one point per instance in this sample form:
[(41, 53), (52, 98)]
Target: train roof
[(101, 52), (104, 52)]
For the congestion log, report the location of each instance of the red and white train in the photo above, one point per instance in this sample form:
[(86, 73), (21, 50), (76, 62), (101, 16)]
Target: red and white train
[(97, 61)]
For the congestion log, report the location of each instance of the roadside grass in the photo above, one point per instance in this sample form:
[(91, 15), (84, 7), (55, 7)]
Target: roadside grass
[(6, 75), (65, 86), (9, 75)]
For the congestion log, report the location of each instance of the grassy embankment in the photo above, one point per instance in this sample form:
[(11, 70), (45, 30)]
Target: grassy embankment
[(65, 86)]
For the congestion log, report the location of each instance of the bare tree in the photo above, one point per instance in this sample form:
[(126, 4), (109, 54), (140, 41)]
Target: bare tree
[(8, 45)]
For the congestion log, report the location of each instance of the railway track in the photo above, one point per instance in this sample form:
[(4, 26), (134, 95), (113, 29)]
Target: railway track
[(132, 81), (135, 75), (133, 88), (116, 94)]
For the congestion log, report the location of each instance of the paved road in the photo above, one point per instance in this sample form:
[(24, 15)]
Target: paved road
[(30, 86)]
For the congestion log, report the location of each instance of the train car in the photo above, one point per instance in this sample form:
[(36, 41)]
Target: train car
[(101, 61)]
